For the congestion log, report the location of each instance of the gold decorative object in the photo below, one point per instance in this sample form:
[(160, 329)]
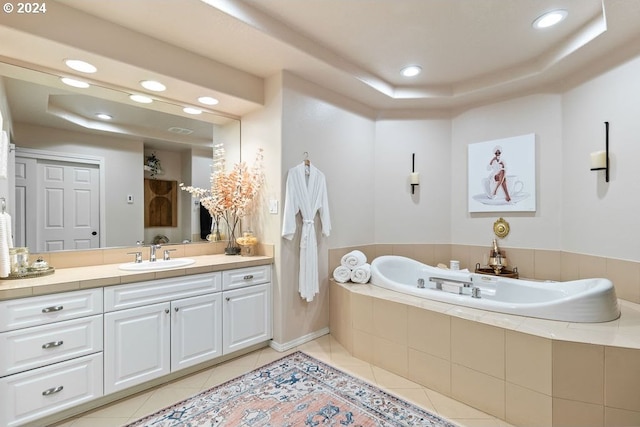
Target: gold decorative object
[(501, 228)]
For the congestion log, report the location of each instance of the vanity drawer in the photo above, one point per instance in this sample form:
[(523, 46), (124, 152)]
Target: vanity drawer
[(241, 277), (38, 346), (162, 290), (33, 311), (40, 392)]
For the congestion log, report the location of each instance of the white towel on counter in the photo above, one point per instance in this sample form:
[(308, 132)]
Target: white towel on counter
[(361, 274), (353, 259), (5, 233), (342, 274)]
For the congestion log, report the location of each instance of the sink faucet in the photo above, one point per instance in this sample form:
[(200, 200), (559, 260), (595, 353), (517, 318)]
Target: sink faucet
[(152, 252)]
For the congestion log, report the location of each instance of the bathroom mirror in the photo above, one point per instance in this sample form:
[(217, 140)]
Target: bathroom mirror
[(57, 134)]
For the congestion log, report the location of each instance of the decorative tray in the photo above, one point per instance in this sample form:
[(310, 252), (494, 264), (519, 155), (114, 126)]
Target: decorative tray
[(31, 273), (505, 272)]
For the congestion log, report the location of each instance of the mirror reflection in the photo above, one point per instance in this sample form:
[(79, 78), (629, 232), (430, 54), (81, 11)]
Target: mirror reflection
[(81, 181)]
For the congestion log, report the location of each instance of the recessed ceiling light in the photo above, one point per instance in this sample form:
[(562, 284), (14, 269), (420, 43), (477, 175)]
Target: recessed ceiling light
[(82, 66), (74, 82), (550, 19), (104, 116), (191, 110), (411, 71), (208, 100), (153, 85), (141, 99)]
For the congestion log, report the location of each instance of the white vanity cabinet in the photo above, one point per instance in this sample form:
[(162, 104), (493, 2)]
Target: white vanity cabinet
[(247, 314), (50, 354), (149, 340)]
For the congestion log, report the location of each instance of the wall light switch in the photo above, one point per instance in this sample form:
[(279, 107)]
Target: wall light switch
[(273, 206), (130, 199)]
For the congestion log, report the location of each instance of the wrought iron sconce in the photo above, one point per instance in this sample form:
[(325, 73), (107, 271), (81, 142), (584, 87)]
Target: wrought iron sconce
[(600, 159), (415, 176)]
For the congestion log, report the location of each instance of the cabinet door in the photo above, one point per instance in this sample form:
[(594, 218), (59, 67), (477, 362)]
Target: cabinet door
[(246, 317), (136, 346), (196, 330)]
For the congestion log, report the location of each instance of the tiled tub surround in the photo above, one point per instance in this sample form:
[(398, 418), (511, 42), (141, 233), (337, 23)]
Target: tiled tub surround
[(530, 372)]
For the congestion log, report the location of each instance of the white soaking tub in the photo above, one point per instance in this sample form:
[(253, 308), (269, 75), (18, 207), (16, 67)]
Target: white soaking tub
[(582, 301)]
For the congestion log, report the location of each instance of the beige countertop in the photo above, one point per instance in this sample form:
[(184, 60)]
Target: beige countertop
[(94, 276)]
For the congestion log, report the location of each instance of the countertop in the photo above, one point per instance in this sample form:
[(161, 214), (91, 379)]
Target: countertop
[(94, 276)]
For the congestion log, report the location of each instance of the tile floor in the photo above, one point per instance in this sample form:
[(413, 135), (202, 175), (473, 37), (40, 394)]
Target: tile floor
[(324, 348)]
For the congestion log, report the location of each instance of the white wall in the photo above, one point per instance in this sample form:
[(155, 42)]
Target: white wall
[(123, 174), (601, 218), (402, 217), (539, 114)]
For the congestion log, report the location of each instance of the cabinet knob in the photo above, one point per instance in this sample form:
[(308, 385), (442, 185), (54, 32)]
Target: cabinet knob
[(176, 309), (52, 390), (228, 299), (52, 309), (53, 344), (166, 310)]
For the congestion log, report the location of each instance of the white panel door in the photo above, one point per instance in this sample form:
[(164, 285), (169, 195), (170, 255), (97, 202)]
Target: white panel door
[(136, 346), (26, 174), (196, 325), (68, 211)]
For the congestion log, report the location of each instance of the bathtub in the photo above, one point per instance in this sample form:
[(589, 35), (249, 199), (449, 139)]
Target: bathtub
[(581, 301)]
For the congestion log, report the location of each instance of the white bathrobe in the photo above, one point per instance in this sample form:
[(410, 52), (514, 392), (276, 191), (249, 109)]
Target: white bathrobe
[(307, 195)]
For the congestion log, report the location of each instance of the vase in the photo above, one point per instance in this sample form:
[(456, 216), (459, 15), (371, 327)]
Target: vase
[(233, 248)]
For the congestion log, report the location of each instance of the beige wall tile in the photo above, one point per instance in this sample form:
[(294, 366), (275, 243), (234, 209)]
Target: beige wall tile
[(478, 346), (363, 346), (76, 258), (460, 253), (391, 356), (592, 266), (430, 371), (424, 254), (625, 276), (577, 371), (614, 417), (384, 249), (340, 315), (430, 332), (479, 390), (441, 254), (570, 266), (405, 250), (526, 407), (622, 374), (547, 265), (528, 361), (569, 413), (521, 258), (362, 309), (478, 255), (390, 321)]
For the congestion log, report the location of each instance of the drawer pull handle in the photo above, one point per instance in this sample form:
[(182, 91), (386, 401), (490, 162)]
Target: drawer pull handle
[(52, 344), (248, 277), (52, 390), (52, 309)]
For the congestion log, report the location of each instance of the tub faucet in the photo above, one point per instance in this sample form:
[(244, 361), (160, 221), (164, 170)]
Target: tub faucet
[(152, 252)]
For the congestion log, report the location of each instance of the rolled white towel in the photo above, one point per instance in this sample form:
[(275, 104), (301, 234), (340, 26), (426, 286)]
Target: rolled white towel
[(361, 274), (5, 262), (353, 259), (342, 274)]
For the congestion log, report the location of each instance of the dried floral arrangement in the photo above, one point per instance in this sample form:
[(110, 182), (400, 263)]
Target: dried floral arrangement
[(232, 192)]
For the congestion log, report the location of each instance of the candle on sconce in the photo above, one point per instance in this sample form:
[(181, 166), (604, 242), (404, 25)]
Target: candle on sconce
[(415, 178), (598, 160)]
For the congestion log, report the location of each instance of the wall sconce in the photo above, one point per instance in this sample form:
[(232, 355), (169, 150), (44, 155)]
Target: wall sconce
[(600, 159), (415, 176)]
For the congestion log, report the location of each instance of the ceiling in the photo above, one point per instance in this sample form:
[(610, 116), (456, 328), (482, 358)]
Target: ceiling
[(471, 51)]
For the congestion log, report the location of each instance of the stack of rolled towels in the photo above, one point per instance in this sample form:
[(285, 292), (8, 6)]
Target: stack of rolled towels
[(353, 267)]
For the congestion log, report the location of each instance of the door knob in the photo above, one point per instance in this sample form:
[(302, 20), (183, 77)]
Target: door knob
[(94, 233)]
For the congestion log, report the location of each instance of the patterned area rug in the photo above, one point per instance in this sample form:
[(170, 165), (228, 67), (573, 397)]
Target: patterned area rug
[(296, 390)]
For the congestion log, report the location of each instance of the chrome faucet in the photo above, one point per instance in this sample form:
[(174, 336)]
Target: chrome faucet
[(152, 252)]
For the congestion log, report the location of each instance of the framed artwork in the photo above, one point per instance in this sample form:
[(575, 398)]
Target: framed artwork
[(502, 175)]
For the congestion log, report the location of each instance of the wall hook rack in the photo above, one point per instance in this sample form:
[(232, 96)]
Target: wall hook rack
[(600, 159)]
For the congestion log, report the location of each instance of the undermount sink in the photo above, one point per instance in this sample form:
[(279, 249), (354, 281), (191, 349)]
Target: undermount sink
[(156, 265)]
